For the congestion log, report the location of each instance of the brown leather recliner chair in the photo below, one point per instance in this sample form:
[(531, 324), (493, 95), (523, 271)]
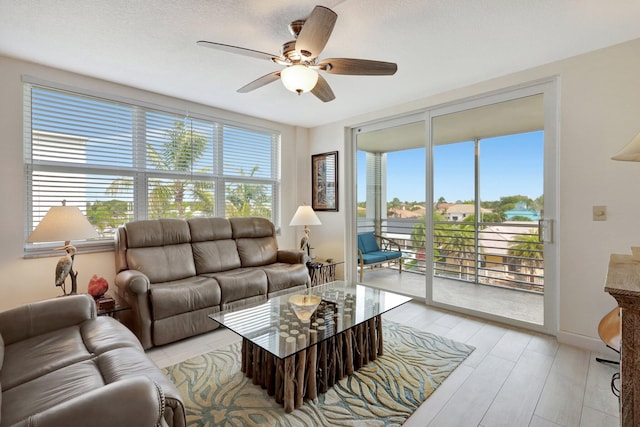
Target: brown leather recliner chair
[(61, 365)]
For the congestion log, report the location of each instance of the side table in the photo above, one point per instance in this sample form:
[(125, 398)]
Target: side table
[(112, 311), (323, 272)]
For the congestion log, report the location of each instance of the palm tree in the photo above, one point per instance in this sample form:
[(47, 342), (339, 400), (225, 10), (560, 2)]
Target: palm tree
[(244, 199), (457, 242), (178, 152), (529, 250)]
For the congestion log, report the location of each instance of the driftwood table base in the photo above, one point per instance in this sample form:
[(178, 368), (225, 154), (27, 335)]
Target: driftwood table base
[(315, 368)]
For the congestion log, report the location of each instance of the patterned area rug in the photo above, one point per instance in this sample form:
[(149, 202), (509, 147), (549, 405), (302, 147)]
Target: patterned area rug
[(383, 393)]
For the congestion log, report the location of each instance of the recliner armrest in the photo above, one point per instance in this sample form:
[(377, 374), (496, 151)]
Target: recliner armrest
[(291, 256), (135, 402), (132, 281), (44, 316)]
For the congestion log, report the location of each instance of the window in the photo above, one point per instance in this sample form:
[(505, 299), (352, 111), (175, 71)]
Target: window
[(119, 162)]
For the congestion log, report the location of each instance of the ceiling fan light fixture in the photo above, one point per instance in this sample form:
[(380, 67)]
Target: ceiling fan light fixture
[(299, 78)]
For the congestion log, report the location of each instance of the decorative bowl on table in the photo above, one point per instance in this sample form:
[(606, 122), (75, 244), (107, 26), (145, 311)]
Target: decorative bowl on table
[(303, 305)]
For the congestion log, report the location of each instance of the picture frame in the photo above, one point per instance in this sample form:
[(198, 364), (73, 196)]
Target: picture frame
[(324, 181)]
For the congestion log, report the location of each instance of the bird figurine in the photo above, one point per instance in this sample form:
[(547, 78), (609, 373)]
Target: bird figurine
[(65, 266)]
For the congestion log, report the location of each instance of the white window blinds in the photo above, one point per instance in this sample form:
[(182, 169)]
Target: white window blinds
[(119, 162)]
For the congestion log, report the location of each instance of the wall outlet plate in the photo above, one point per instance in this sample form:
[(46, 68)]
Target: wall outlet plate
[(600, 213)]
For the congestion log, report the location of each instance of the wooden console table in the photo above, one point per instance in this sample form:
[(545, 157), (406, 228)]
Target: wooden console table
[(623, 283)]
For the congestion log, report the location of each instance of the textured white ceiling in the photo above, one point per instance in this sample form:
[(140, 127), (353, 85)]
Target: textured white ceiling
[(438, 44)]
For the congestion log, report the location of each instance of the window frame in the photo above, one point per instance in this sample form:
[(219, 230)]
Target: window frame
[(141, 175)]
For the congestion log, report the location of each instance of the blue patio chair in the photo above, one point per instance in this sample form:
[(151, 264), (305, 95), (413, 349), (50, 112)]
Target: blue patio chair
[(371, 253)]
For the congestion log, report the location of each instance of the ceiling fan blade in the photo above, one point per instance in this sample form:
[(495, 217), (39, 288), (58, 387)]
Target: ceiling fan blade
[(238, 50), (259, 82), (358, 67), (316, 31), (322, 90)]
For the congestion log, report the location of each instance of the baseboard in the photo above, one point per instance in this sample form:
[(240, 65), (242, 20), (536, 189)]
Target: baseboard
[(587, 343)]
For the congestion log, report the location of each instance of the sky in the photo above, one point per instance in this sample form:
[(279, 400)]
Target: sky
[(509, 165)]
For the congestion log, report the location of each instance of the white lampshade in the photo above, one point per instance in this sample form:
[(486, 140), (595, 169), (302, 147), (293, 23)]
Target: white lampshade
[(631, 151), (305, 216), (299, 78), (63, 224)]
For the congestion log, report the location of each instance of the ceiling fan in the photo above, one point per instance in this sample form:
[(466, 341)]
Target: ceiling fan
[(300, 58)]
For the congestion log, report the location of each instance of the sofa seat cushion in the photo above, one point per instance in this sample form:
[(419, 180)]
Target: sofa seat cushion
[(282, 276), (49, 390), (182, 296), (241, 283), (105, 333), (42, 354), (374, 257), (392, 254), (215, 256)]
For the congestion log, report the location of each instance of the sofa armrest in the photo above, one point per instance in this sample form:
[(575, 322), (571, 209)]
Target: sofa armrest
[(389, 244), (135, 402), (133, 288), (132, 281), (44, 316), (291, 257)]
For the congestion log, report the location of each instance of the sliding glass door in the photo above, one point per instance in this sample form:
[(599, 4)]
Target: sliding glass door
[(467, 191), (493, 186)]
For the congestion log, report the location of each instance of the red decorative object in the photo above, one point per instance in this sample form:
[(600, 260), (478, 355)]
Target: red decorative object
[(98, 286)]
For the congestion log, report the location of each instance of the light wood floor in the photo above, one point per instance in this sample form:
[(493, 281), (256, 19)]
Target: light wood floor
[(513, 378)]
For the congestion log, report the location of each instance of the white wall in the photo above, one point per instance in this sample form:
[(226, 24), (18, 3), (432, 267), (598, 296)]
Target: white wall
[(25, 280), (599, 114)]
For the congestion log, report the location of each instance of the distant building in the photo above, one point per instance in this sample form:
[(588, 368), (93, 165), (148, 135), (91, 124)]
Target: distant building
[(522, 210), (458, 211)]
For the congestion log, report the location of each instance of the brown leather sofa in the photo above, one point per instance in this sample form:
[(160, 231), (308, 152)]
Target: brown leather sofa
[(61, 365), (174, 273)]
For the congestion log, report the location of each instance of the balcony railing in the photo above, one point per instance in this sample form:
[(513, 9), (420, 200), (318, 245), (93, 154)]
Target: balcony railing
[(504, 254)]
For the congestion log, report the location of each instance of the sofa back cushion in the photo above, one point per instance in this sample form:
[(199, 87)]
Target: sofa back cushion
[(258, 251), (215, 256), (251, 227), (160, 248), (214, 250), (256, 240), (367, 242), (207, 229)]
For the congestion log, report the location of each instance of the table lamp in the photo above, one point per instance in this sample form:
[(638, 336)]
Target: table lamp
[(63, 224), (305, 216), (631, 151)]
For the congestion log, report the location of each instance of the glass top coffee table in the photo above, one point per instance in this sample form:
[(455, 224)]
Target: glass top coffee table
[(296, 349)]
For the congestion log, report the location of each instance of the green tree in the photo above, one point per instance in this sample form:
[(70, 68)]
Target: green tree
[(529, 250), (487, 217), (247, 199), (520, 218), (179, 151), (456, 242), (108, 214)]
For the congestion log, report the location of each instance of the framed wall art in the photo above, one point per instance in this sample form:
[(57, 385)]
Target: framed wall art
[(324, 181)]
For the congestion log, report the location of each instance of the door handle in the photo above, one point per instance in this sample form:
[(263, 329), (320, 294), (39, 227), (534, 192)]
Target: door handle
[(545, 230)]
